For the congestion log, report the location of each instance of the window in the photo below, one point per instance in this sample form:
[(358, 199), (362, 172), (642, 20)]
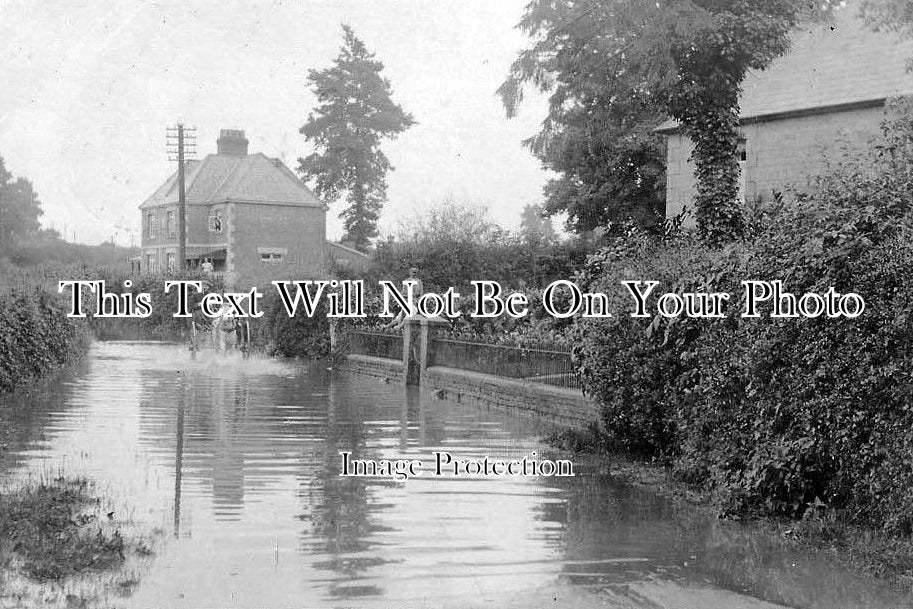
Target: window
[(216, 222), (150, 263), (272, 254), (169, 259), (150, 224), (743, 169), (169, 223)]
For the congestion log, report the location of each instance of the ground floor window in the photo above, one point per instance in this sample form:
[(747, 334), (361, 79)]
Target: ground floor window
[(150, 263), (272, 254), (170, 261)]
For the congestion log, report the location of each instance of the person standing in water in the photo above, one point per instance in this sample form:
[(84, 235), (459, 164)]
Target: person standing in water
[(417, 290)]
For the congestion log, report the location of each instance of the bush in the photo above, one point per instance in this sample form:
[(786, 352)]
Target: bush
[(160, 324), (776, 416), (452, 244), (298, 336), (36, 337)]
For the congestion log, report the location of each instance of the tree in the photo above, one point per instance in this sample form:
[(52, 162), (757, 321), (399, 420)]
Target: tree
[(894, 15), (19, 208), (451, 221), (611, 165), (355, 113), (685, 59), (535, 227)]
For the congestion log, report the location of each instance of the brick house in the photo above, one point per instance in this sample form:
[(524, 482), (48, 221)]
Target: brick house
[(248, 214), (823, 100)]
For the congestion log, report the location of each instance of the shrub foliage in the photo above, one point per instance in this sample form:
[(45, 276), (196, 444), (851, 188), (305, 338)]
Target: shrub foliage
[(36, 337), (777, 416)]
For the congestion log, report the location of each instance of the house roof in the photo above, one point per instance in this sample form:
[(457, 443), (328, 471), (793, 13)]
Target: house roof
[(253, 178), (839, 63), (347, 249)]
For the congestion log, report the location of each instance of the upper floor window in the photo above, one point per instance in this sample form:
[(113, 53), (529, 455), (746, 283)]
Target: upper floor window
[(150, 224), (169, 223), (216, 222)]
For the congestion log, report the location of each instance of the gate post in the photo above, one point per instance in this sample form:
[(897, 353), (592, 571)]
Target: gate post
[(426, 345), (411, 339)]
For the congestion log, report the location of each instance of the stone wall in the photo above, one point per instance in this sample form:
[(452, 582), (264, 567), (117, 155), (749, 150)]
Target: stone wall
[(375, 366), (565, 407), (557, 405)]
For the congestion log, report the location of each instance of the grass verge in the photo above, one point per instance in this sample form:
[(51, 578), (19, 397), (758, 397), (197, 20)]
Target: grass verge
[(61, 546), (49, 532)]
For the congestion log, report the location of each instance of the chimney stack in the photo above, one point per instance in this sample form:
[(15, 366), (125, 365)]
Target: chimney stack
[(232, 142)]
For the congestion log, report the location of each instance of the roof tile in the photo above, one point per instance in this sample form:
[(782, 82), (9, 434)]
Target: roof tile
[(253, 178)]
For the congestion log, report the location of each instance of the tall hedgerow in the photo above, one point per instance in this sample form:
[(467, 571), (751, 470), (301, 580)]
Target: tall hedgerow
[(777, 416), (36, 337)]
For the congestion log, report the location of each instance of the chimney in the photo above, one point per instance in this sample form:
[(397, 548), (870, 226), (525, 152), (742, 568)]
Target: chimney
[(232, 142)]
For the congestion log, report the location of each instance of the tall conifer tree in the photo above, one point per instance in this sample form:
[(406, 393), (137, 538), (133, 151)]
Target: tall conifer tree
[(355, 113)]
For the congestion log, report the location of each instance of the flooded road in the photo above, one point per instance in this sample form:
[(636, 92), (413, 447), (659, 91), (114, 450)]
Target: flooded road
[(235, 467)]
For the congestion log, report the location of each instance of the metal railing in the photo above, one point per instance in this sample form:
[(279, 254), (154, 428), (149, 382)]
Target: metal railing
[(530, 363), (378, 344)]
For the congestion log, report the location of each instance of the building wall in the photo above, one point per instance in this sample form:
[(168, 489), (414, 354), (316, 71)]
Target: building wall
[(161, 243), (198, 233), (298, 232), (342, 257), (780, 153)]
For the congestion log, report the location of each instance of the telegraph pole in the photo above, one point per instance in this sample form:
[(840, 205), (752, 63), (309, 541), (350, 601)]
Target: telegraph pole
[(181, 141)]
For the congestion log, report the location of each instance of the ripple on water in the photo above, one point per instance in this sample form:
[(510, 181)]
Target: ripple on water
[(238, 460)]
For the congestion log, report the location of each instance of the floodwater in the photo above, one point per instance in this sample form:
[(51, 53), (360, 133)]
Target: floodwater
[(235, 465)]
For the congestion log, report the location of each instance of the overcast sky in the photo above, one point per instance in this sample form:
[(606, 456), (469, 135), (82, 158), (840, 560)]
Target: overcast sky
[(88, 89)]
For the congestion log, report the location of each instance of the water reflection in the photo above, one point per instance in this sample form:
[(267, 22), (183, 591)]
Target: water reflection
[(239, 459), (179, 458)]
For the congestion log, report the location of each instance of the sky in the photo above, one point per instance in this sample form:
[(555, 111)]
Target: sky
[(89, 88)]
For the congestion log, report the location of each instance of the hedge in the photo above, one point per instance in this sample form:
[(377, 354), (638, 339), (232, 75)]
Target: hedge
[(36, 337), (775, 416)]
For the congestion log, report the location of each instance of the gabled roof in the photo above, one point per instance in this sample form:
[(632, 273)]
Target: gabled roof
[(842, 62), (252, 178)]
